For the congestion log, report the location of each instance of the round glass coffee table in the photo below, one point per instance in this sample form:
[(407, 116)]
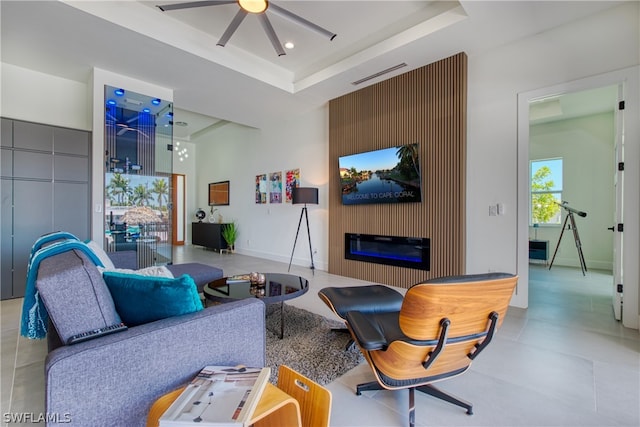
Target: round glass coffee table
[(278, 288)]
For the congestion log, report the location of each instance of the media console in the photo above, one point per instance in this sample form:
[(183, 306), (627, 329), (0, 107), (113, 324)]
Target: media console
[(208, 235), (539, 250)]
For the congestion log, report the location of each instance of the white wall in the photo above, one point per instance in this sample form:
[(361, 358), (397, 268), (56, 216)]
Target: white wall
[(598, 44), (237, 153), (42, 98), (495, 78), (586, 146)]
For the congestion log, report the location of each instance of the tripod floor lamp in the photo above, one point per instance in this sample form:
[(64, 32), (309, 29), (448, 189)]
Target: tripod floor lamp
[(304, 195)]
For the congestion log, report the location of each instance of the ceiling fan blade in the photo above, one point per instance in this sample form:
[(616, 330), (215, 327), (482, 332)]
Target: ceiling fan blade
[(268, 28), (188, 5), (133, 119), (300, 21), (233, 26), (122, 131)]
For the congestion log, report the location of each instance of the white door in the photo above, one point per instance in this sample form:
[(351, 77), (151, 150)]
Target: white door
[(618, 183), (627, 147), (178, 222)]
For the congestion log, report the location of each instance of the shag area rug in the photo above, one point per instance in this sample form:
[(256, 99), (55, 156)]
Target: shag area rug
[(309, 346)]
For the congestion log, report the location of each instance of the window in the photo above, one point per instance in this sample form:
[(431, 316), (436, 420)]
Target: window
[(546, 191)]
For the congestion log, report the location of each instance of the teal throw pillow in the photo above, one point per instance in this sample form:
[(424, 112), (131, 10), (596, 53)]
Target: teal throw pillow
[(142, 299)]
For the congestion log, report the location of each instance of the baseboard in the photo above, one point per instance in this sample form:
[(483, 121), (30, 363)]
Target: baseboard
[(300, 262)]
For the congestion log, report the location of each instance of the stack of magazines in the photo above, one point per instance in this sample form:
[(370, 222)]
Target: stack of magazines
[(239, 278), (218, 396)]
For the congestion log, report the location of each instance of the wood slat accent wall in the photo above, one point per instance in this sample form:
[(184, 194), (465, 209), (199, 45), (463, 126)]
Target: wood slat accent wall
[(427, 106)]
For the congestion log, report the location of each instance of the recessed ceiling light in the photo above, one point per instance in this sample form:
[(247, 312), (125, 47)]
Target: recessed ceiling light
[(181, 123), (289, 45)]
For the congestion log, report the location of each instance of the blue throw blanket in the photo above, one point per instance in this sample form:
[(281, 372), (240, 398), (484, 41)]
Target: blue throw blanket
[(48, 238), (34, 315)]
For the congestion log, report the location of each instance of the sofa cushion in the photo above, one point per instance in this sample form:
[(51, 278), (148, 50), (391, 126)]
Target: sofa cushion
[(201, 273), (143, 299), (74, 294), (124, 259), (101, 254), (154, 270)]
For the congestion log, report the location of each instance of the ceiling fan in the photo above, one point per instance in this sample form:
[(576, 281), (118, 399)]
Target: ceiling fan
[(256, 7), (124, 127)]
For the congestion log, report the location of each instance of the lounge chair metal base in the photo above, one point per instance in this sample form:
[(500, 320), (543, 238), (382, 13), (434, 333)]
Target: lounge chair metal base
[(427, 389), (436, 392)]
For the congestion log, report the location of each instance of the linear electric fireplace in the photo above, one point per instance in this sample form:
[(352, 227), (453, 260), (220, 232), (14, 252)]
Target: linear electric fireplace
[(411, 252)]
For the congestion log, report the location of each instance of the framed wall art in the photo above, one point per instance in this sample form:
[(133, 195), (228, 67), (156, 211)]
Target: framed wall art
[(275, 187), (219, 193), (292, 180), (261, 188)]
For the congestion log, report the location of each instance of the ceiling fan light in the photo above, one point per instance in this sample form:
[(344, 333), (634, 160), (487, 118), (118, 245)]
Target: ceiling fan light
[(254, 6)]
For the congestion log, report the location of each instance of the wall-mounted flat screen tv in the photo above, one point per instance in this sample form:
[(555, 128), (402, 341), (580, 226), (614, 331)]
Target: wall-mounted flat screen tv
[(390, 175)]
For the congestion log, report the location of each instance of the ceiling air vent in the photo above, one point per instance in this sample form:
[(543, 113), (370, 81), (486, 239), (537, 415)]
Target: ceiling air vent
[(133, 101), (379, 73)]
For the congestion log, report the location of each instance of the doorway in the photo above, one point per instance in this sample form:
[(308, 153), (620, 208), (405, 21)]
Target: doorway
[(572, 140), (596, 241)]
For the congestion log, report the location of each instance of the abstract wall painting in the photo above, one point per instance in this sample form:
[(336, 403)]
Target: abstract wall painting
[(275, 187), (261, 188), (292, 178)]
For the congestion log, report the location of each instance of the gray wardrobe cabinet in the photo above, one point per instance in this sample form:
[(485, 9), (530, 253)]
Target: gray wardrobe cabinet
[(45, 186)]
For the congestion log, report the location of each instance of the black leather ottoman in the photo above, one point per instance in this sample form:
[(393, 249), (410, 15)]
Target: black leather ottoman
[(366, 299)]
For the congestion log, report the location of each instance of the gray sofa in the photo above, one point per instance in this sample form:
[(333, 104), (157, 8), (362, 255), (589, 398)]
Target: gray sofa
[(201, 273), (114, 379)]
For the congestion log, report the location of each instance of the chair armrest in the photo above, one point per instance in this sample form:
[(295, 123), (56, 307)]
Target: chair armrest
[(114, 379), (366, 330), (376, 331)]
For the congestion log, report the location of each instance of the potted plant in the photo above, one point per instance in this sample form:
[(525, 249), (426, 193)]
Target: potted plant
[(230, 233)]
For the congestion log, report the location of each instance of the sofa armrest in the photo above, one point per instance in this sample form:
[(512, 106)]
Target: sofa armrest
[(114, 380), (124, 259)]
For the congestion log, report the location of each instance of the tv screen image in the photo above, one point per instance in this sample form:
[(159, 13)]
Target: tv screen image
[(389, 175)]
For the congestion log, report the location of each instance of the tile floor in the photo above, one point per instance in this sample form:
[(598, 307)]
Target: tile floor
[(563, 362)]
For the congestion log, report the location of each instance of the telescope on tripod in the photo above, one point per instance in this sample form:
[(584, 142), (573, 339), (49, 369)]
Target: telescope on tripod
[(570, 217)]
